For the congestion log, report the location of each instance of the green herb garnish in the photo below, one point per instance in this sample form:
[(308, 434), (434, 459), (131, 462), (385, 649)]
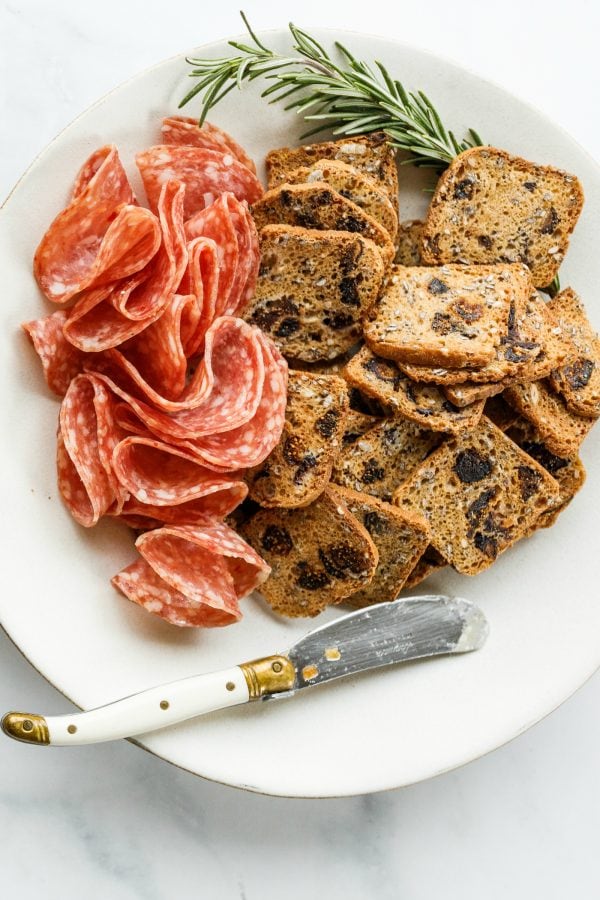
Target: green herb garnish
[(350, 97)]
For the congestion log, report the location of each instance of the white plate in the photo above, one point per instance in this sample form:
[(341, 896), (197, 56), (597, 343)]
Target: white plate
[(379, 731)]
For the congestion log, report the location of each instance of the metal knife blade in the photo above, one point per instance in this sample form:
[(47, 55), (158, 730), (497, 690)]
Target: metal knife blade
[(385, 634), (367, 639)]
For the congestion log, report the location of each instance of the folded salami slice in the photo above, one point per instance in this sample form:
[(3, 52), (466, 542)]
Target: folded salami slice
[(254, 246), (249, 444), (88, 434), (216, 222), (229, 223), (106, 317), (158, 352), (160, 475), (192, 575), (61, 361), (205, 173), (223, 393), (100, 237), (248, 256), (183, 130), (144, 516), (201, 279)]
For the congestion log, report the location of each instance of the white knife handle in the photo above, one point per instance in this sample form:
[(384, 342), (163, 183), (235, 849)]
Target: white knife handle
[(156, 707)]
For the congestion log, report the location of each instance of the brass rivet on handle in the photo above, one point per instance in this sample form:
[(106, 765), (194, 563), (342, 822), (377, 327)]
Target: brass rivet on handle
[(27, 725), (164, 704), (72, 729), (230, 686), (277, 666)]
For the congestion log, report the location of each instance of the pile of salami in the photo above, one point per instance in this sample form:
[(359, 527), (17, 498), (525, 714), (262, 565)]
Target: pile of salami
[(167, 396)]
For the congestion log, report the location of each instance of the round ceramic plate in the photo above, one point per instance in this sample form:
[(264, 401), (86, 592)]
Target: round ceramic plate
[(384, 729)]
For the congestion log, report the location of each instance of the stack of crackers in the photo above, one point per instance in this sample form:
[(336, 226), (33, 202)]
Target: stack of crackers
[(438, 396)]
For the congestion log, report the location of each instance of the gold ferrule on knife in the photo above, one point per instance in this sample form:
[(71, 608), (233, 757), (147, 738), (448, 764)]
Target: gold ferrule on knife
[(270, 675), (26, 727)]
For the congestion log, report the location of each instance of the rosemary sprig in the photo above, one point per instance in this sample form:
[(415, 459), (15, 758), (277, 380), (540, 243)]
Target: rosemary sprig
[(349, 97), (554, 287)]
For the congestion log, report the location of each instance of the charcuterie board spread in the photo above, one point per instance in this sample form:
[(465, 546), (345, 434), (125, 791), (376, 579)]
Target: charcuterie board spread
[(295, 390)]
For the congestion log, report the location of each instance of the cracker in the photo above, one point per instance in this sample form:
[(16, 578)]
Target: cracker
[(579, 380), (400, 538), (480, 493), (424, 404), (298, 469), (354, 185), (490, 206), (450, 316), (316, 205), (319, 555), (313, 288), (383, 457)]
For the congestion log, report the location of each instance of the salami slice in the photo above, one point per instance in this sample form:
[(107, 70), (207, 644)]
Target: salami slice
[(88, 434), (249, 444), (216, 222), (158, 353), (158, 474), (221, 503), (205, 173), (203, 570), (183, 130), (201, 279), (229, 223), (255, 266), (105, 318), (61, 361), (223, 393), (100, 236), (248, 256), (142, 585)]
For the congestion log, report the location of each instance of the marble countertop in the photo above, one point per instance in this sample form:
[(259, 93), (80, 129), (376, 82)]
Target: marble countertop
[(113, 821)]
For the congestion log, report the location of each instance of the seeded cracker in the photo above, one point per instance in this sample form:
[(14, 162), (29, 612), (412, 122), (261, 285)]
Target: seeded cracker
[(533, 345), (561, 430), (451, 316), (312, 289), (319, 555), (491, 207), (579, 380), (299, 467), (383, 457), (400, 538), (317, 205), (480, 494), (568, 472), (424, 404), (355, 186), (371, 154)]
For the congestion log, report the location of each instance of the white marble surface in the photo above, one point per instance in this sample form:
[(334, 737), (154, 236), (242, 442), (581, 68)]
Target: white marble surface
[(114, 822)]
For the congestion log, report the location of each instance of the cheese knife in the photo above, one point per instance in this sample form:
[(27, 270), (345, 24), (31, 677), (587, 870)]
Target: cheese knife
[(369, 638)]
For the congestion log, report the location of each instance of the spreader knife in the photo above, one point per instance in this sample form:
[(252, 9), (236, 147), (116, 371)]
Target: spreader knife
[(369, 638)]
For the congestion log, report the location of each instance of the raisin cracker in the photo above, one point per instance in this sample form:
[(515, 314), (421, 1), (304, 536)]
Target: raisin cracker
[(319, 555), (298, 469), (450, 316), (490, 206), (313, 288), (316, 205), (371, 154), (400, 537), (480, 493)]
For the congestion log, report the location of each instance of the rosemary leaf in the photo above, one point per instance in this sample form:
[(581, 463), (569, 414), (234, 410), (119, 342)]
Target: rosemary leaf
[(350, 97)]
